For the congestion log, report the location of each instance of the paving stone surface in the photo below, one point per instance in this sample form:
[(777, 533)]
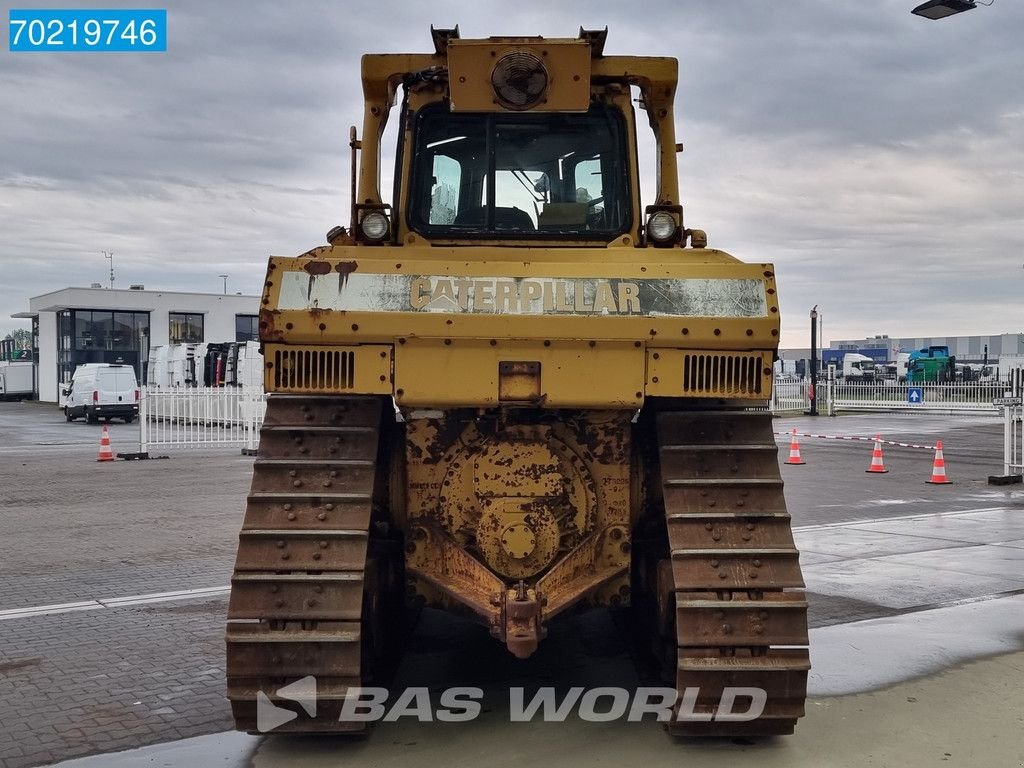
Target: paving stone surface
[(108, 679), (71, 530)]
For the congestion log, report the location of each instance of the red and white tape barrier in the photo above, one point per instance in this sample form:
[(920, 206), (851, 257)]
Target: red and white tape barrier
[(853, 437)]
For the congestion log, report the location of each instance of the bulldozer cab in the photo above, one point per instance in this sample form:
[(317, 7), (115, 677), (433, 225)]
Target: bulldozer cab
[(516, 140)]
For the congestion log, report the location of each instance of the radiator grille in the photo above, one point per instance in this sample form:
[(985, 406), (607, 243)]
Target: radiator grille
[(722, 375), (313, 369)]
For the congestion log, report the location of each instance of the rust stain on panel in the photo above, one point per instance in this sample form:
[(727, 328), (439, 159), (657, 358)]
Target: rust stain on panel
[(318, 267)]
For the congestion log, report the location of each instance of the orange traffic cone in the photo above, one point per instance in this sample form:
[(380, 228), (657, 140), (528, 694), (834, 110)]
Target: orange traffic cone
[(877, 464), (105, 453), (794, 450), (939, 467)]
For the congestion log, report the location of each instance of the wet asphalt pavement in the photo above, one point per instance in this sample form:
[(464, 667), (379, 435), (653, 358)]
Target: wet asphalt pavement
[(916, 594)]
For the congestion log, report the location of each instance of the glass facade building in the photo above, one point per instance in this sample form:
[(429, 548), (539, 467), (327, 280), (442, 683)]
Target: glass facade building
[(101, 336), (185, 327), (74, 326), (247, 328)]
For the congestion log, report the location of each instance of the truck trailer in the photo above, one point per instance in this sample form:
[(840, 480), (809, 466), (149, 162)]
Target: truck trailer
[(17, 380)]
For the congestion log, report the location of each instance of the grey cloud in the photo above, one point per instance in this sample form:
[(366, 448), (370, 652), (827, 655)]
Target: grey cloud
[(875, 157)]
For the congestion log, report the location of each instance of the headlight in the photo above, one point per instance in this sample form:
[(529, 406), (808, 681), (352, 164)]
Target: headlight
[(375, 226), (661, 227)]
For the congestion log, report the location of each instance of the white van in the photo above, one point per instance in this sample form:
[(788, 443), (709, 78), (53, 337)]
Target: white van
[(102, 391)]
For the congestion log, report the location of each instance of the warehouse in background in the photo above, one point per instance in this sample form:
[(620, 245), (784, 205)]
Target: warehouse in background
[(1001, 352), (73, 326), (966, 349)]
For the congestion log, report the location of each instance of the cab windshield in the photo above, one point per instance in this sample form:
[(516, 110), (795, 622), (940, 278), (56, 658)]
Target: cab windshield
[(543, 175)]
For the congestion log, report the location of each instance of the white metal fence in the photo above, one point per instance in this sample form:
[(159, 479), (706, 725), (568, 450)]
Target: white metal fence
[(835, 396), (1013, 429), (790, 395), (200, 417), (1013, 441), (203, 417), (960, 397)]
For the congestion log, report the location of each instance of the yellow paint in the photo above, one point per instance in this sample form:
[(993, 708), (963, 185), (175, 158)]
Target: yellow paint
[(470, 63), (328, 369), (430, 373), (726, 374), (539, 272)]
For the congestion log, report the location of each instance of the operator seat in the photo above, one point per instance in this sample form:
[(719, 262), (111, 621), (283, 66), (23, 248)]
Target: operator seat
[(504, 218)]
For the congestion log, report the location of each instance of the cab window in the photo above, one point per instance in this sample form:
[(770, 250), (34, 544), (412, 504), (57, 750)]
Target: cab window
[(544, 175)]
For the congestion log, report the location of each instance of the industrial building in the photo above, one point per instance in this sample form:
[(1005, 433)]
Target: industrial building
[(966, 349), (73, 326), (883, 348)]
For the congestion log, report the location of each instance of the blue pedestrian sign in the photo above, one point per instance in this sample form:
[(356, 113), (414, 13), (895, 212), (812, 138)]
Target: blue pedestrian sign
[(915, 395)]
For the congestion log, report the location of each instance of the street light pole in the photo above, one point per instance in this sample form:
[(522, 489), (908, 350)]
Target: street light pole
[(225, 279), (109, 256), (814, 361)]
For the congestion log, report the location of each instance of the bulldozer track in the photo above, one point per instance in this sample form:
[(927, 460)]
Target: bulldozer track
[(313, 572), (731, 599)]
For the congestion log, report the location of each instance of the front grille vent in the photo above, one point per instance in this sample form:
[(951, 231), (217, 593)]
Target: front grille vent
[(722, 375), (304, 370)]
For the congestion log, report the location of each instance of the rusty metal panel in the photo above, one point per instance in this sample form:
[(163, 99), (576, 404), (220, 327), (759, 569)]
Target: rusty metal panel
[(335, 596), (600, 559), (433, 556), (298, 416), (356, 443), (297, 589), (728, 531), (705, 621), (782, 674), (544, 500), (720, 461), (732, 553), (312, 476), (736, 569), (285, 511), (744, 502), (709, 429), (519, 381), (261, 550), (330, 689), (256, 651)]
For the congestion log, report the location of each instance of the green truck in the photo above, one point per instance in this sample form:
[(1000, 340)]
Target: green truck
[(932, 363)]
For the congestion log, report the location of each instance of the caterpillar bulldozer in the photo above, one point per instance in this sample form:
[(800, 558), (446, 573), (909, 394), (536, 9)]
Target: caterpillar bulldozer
[(514, 392)]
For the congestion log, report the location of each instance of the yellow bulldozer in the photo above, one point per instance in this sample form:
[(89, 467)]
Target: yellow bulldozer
[(514, 391)]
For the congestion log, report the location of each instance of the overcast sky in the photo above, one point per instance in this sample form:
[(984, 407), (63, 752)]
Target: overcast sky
[(877, 158)]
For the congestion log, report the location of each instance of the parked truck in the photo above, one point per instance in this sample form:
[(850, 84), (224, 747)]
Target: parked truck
[(17, 380), (932, 363), (205, 365), (858, 367), (896, 370), (975, 372)]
